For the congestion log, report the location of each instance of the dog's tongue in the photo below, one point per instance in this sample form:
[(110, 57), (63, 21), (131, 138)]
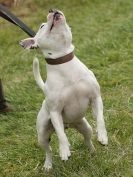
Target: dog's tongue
[(56, 18), (55, 22)]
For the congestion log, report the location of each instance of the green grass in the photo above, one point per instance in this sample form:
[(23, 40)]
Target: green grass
[(103, 39)]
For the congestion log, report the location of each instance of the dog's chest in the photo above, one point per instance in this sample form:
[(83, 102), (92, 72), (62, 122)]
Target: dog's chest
[(71, 99), (76, 100), (69, 89)]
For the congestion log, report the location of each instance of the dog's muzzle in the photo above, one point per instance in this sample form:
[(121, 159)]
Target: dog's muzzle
[(56, 16)]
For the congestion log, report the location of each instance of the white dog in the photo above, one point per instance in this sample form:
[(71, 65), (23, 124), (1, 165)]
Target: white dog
[(70, 87)]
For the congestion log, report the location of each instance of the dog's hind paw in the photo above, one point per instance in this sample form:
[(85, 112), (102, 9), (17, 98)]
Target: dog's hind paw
[(92, 149), (47, 165)]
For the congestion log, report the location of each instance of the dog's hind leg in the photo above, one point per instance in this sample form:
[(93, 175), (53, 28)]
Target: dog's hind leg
[(85, 129), (97, 107), (45, 130)]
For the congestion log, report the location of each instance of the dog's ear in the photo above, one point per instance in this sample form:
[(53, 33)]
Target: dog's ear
[(28, 43)]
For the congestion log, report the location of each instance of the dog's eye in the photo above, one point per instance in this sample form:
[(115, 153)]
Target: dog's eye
[(42, 26)]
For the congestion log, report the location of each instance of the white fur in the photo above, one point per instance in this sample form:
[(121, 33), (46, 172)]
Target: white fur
[(69, 89)]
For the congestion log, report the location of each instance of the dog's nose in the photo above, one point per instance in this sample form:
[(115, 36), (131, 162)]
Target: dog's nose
[(56, 12), (51, 10)]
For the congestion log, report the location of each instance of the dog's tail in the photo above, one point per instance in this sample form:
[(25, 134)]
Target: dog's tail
[(37, 75)]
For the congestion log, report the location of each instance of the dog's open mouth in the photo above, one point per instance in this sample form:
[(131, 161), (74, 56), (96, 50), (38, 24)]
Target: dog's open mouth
[(56, 17)]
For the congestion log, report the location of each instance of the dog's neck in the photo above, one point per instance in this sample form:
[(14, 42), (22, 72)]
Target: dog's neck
[(57, 54), (60, 60)]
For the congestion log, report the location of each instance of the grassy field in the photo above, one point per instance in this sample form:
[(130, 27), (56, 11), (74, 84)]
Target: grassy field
[(103, 39)]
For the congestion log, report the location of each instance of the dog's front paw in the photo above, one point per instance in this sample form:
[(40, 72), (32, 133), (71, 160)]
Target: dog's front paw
[(64, 152), (102, 137)]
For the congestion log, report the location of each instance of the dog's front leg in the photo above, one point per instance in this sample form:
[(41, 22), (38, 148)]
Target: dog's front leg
[(57, 121)]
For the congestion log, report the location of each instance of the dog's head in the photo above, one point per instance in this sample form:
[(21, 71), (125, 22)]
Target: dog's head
[(54, 38)]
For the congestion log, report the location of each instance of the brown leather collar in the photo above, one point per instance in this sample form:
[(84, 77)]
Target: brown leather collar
[(60, 60)]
